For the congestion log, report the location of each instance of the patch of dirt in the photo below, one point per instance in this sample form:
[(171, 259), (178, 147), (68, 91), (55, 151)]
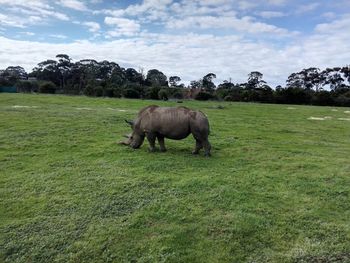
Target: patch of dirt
[(117, 109), (291, 108), (316, 118), (344, 119), (84, 109), (25, 107)]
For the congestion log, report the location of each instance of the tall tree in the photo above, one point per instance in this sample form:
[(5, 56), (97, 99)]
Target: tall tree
[(255, 80), (133, 76), (64, 66), (156, 78), (207, 82), (173, 81), (47, 70)]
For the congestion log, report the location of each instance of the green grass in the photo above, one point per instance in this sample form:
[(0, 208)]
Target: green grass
[(277, 188)]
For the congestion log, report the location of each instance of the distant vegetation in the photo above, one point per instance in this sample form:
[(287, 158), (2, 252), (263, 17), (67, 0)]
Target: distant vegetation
[(89, 77)]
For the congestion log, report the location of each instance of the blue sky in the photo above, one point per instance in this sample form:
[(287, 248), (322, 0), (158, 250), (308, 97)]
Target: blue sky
[(182, 37)]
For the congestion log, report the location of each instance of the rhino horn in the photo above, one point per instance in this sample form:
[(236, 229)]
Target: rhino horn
[(124, 143), (131, 123), (127, 136)]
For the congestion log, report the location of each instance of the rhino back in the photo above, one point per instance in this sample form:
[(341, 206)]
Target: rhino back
[(171, 122)]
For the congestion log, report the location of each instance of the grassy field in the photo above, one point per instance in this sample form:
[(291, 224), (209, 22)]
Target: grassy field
[(277, 188)]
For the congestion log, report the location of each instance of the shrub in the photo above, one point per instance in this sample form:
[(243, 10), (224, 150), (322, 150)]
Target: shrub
[(98, 91), (152, 93), (89, 90), (293, 96), (131, 93), (229, 98), (322, 98), (112, 92), (163, 94), (202, 95), (343, 99), (47, 87), (27, 86), (222, 93), (178, 95)]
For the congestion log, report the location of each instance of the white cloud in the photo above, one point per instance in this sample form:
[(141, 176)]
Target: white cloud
[(93, 26), (73, 4), (246, 24), (33, 4), (122, 26), (149, 10), (277, 2), (341, 25), (11, 21), (21, 13), (329, 15), (271, 14), (307, 8), (192, 8), (245, 5), (59, 36), (28, 33)]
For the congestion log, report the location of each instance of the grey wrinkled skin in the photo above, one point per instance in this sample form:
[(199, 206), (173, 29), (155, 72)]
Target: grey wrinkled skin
[(154, 122)]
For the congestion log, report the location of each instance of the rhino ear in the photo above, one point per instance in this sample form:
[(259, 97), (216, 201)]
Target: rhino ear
[(131, 123)]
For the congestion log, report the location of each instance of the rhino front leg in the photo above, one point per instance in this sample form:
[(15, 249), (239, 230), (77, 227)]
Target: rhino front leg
[(151, 137), (161, 143)]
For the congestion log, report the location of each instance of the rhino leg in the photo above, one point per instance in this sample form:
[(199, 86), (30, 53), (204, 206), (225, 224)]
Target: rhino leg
[(202, 142), (207, 148), (151, 137), (161, 143), (198, 147)]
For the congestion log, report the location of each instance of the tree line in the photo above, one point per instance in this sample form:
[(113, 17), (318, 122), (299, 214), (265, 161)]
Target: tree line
[(89, 77)]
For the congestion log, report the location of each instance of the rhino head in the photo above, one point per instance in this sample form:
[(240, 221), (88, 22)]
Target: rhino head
[(135, 139)]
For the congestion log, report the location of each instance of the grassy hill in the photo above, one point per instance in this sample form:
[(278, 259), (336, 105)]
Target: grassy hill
[(277, 188)]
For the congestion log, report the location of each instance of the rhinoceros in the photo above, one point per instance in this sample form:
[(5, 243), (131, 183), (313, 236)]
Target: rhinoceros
[(169, 122)]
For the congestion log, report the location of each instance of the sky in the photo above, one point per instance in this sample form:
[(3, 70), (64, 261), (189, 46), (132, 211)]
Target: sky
[(187, 38)]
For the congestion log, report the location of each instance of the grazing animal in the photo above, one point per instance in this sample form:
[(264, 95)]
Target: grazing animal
[(169, 122)]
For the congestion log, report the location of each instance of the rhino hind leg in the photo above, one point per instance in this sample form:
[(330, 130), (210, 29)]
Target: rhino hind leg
[(161, 143), (202, 142), (198, 147), (207, 148)]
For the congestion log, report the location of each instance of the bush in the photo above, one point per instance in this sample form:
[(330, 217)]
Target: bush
[(27, 86), (112, 92), (98, 91), (47, 87), (293, 96), (222, 93), (178, 95), (343, 100), (322, 98), (229, 98), (131, 93), (163, 94), (152, 93), (202, 95), (91, 90)]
